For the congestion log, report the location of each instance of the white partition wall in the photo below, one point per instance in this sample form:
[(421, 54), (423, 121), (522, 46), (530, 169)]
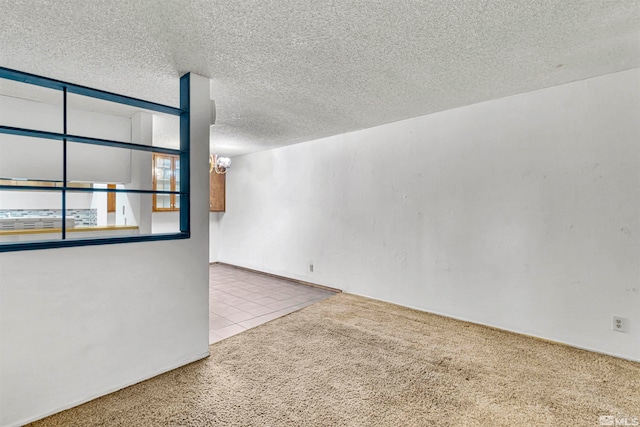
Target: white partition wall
[(521, 213), (77, 323)]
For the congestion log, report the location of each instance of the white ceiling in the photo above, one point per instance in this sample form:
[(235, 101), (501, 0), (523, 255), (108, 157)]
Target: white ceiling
[(287, 71)]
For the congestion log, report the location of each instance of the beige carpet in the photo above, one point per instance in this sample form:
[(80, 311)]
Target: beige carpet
[(351, 361)]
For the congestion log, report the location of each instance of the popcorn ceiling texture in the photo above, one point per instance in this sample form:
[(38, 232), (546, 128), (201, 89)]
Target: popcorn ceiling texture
[(290, 71)]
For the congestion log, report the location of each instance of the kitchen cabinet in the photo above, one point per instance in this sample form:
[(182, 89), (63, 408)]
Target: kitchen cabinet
[(217, 196), (166, 177)]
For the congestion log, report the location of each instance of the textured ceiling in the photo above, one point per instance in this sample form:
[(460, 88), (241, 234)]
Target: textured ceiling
[(289, 71)]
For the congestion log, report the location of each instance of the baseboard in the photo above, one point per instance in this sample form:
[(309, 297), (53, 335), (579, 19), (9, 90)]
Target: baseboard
[(109, 391), (440, 314), (315, 285), (496, 328)]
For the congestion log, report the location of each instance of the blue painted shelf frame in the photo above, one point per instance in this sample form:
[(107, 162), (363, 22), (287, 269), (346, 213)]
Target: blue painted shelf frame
[(183, 152)]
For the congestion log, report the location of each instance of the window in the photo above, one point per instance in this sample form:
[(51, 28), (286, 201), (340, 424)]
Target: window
[(76, 165), (166, 177)]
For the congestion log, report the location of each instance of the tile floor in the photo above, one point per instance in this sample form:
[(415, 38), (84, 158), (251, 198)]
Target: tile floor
[(240, 299)]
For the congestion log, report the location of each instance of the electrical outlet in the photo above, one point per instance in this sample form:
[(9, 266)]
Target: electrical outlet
[(619, 324), (311, 268)]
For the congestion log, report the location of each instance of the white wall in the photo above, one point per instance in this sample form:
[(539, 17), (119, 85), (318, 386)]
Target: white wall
[(131, 208), (166, 131), (522, 213), (214, 235), (77, 323), (10, 199), (99, 203), (165, 222)]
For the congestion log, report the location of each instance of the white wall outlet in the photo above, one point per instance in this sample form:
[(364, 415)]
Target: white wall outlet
[(620, 324), (311, 268)]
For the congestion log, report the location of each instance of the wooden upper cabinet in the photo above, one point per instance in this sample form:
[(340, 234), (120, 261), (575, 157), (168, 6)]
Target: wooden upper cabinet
[(217, 192), (111, 199), (166, 177)]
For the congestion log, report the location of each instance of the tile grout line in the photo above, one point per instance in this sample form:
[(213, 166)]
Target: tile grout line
[(302, 296)]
